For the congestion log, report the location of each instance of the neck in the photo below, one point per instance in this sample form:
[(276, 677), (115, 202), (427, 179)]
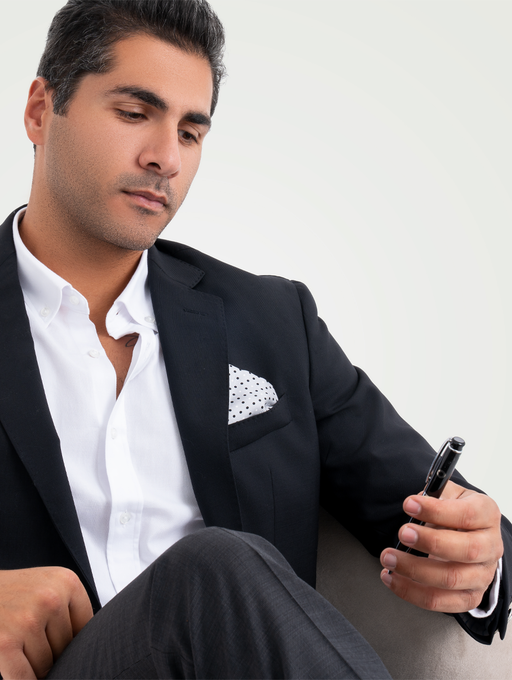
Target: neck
[(100, 271)]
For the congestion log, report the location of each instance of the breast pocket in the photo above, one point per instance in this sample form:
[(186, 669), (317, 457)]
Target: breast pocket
[(251, 429)]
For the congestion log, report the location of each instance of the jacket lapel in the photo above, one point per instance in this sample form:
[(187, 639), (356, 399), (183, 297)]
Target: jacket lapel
[(24, 411), (193, 338)]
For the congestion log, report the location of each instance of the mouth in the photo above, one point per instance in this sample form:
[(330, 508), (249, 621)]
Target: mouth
[(147, 199)]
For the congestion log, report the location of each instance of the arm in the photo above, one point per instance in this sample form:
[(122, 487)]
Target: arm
[(372, 460)]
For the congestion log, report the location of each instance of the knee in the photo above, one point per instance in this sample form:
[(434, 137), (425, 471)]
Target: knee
[(210, 545), (219, 550)]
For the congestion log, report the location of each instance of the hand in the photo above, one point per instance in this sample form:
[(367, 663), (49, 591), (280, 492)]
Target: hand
[(463, 542), (41, 610)]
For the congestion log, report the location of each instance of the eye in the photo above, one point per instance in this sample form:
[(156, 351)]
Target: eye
[(130, 115), (187, 136)]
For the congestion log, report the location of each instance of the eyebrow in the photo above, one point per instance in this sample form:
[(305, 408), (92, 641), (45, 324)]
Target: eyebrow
[(157, 102)]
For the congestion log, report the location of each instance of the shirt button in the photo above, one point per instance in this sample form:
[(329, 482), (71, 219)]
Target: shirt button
[(149, 319), (124, 518), (113, 433), (94, 353), (74, 300), (45, 312)]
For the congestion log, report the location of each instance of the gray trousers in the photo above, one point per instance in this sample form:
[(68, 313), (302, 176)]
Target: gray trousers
[(219, 604)]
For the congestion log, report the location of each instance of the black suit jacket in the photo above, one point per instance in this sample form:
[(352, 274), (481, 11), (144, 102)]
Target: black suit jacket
[(332, 438)]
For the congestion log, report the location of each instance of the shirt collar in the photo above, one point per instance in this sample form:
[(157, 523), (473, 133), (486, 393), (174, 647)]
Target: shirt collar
[(42, 288), (46, 292), (134, 304)]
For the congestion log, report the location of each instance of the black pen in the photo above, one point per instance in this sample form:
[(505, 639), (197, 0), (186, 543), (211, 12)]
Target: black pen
[(439, 474)]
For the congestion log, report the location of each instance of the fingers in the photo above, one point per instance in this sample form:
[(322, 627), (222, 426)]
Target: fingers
[(52, 612), (38, 654), (59, 634), (431, 598), (482, 546), (41, 609), (463, 540), (28, 658), (471, 526), (439, 574), (17, 667), (80, 608), (459, 508)]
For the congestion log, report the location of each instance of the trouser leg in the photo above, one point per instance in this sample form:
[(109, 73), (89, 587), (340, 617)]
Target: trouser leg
[(219, 604)]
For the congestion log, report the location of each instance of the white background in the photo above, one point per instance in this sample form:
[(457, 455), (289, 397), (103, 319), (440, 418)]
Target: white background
[(363, 147)]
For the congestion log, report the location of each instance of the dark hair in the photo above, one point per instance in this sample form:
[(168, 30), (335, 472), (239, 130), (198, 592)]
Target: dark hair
[(84, 32)]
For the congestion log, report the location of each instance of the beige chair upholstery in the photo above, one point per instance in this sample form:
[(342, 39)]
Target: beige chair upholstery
[(413, 644)]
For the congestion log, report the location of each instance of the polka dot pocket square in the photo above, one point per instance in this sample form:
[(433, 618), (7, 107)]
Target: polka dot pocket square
[(248, 395)]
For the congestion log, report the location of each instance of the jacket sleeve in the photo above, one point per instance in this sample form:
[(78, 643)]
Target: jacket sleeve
[(372, 459)]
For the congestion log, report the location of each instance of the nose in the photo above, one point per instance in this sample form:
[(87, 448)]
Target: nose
[(162, 154)]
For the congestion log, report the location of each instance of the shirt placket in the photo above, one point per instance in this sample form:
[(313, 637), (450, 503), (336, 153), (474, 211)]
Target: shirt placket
[(123, 546), (126, 494)]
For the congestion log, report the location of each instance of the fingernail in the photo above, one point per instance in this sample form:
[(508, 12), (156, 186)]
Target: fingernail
[(386, 578), (412, 507), (389, 560), (408, 536)]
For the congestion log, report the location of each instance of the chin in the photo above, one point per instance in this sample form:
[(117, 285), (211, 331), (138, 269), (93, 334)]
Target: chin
[(139, 244), (139, 237)]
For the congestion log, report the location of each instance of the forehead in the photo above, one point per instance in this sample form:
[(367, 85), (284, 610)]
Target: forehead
[(178, 77)]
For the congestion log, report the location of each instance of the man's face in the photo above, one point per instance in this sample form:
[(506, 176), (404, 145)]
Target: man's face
[(119, 164)]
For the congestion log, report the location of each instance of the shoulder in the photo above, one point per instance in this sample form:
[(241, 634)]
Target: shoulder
[(209, 274)]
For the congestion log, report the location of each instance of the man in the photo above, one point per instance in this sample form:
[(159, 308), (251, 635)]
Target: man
[(166, 391)]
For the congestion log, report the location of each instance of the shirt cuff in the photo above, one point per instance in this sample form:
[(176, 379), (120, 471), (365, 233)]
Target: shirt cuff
[(493, 596)]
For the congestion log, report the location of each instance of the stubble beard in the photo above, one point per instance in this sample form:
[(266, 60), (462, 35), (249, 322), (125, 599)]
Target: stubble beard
[(80, 200), (90, 223)]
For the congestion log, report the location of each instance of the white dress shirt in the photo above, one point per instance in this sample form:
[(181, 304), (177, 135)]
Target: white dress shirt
[(123, 457)]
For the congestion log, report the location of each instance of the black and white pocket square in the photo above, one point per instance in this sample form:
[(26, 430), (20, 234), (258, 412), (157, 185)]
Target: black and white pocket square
[(249, 395)]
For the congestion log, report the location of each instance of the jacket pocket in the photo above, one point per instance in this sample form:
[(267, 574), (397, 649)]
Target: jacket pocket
[(251, 429)]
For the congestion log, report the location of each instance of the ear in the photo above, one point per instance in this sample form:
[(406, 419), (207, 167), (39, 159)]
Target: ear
[(38, 110)]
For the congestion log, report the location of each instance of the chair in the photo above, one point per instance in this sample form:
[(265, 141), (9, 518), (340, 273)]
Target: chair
[(413, 644)]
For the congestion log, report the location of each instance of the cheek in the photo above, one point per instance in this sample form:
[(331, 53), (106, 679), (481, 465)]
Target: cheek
[(115, 142), (107, 157), (107, 143), (190, 167)]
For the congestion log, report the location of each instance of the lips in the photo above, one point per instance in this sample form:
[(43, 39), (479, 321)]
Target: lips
[(148, 199)]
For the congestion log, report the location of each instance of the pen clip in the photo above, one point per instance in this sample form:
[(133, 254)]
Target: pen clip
[(436, 460)]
